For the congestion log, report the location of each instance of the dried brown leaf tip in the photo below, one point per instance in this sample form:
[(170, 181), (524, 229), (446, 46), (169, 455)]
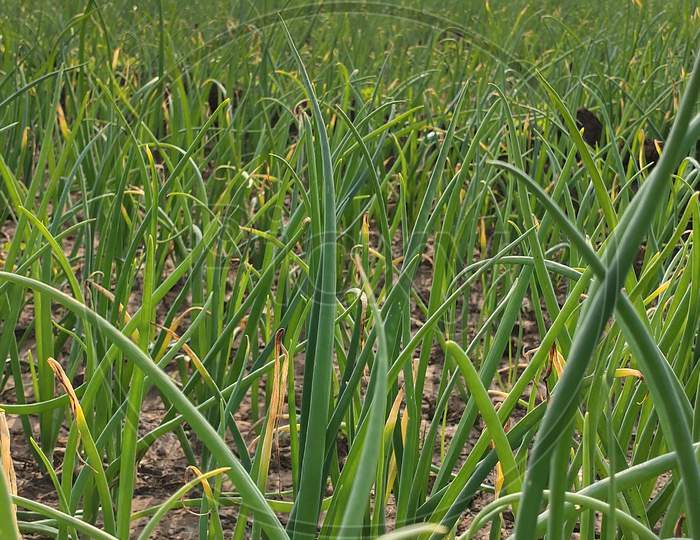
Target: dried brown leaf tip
[(628, 372), (8, 469), (678, 529), (66, 384), (5, 455), (591, 126), (556, 361)]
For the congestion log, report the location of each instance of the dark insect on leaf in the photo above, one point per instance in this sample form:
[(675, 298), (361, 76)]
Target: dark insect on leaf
[(651, 153), (592, 128), (214, 97)]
